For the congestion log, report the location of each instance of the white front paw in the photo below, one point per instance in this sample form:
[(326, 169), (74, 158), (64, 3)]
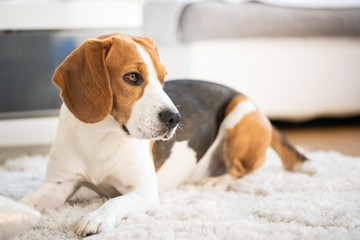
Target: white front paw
[(95, 222)]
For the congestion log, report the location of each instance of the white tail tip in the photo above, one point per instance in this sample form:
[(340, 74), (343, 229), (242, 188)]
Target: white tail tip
[(307, 167)]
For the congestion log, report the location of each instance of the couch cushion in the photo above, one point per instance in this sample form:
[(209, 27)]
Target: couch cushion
[(213, 20)]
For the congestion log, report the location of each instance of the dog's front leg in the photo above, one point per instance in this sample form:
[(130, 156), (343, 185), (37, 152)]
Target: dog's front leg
[(115, 209), (50, 195)]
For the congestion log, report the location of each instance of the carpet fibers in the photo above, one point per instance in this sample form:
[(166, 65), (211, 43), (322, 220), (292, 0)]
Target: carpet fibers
[(268, 204)]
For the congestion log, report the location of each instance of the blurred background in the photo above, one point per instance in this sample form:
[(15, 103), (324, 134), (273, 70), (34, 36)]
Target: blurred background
[(298, 59)]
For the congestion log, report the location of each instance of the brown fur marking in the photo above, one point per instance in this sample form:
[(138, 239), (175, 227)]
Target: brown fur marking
[(247, 141), (84, 82)]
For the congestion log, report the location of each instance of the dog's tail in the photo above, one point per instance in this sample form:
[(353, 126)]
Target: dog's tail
[(291, 158)]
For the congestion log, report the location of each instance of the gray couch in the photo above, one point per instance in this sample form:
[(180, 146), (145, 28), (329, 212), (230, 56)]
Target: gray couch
[(297, 63)]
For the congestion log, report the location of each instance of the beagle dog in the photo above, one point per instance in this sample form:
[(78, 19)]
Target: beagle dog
[(124, 133)]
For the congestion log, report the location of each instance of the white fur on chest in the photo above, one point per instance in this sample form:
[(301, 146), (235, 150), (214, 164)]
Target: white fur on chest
[(178, 167), (99, 153)]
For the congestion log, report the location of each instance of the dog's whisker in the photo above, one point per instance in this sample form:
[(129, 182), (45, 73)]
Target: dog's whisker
[(180, 128)]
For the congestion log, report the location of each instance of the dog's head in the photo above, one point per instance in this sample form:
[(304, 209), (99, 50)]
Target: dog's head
[(121, 76)]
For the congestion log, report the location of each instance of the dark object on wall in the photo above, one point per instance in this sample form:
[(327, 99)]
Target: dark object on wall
[(27, 63)]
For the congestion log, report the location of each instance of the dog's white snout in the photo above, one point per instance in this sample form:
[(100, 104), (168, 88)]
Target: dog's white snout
[(153, 118)]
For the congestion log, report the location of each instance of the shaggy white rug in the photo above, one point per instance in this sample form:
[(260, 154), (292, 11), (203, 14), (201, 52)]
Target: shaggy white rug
[(269, 204)]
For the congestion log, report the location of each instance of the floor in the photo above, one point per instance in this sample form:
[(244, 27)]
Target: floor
[(345, 140), (341, 135), (12, 152)]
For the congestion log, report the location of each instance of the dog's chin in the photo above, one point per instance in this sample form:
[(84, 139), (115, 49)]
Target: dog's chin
[(163, 137), (161, 134), (169, 134)]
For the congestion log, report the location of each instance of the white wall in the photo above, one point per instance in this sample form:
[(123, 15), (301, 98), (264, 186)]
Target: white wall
[(289, 78), (53, 15)]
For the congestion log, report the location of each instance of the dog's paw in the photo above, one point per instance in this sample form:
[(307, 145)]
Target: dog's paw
[(95, 222), (307, 167), (220, 182)]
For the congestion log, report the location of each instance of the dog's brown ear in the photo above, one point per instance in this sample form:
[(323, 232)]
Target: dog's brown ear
[(84, 81)]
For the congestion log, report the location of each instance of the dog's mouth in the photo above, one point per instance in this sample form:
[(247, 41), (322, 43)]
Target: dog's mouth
[(165, 135), (169, 134), (125, 130)]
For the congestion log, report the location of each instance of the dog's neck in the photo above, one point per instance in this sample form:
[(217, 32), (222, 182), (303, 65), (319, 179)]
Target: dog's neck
[(107, 126)]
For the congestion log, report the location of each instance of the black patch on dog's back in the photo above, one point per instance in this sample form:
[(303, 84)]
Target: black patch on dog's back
[(202, 107)]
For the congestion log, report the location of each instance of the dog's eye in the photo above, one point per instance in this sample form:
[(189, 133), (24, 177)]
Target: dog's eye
[(133, 78)]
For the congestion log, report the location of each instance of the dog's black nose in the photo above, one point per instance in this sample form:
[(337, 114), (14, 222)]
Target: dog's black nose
[(170, 118)]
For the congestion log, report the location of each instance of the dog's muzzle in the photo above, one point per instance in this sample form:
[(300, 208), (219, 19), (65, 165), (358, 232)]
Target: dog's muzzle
[(161, 126)]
